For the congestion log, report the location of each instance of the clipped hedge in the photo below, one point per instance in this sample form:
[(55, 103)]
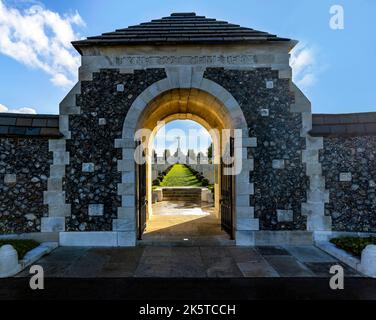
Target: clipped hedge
[(205, 182), (353, 245), (156, 182)]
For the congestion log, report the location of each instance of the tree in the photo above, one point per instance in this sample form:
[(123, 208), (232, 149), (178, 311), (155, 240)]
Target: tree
[(210, 151), (166, 155)]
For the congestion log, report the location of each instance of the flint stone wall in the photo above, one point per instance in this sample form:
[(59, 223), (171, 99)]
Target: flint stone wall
[(24, 170), (267, 112), (349, 167), (108, 96)]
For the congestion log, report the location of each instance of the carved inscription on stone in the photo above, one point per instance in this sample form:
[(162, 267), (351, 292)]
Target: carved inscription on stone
[(209, 60)]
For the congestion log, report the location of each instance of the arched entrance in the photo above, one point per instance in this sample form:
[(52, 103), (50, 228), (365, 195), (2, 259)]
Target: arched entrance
[(202, 107), (181, 185), (216, 110)]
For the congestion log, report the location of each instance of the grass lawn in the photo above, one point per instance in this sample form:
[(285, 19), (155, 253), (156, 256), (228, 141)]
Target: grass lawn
[(353, 245), (180, 176), (21, 246)]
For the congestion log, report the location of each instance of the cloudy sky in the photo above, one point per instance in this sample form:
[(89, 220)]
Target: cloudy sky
[(335, 68)]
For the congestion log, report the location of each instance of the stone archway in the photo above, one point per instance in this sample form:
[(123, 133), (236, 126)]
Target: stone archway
[(185, 92)]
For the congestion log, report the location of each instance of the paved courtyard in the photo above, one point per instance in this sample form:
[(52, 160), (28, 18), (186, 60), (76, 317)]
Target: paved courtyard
[(188, 262)]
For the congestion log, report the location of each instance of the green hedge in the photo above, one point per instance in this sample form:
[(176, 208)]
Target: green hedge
[(353, 245), (22, 246)]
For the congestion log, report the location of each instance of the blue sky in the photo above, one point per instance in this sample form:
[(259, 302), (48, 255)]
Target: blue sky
[(191, 134), (340, 64)]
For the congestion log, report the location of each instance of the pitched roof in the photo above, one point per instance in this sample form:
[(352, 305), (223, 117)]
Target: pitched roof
[(33, 125), (344, 125), (180, 28)]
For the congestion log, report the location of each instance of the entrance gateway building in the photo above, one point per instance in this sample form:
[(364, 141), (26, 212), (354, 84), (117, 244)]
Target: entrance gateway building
[(73, 176)]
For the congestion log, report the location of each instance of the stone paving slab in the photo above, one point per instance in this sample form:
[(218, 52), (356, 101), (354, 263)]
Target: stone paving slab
[(115, 270), (88, 265), (288, 266), (272, 251), (241, 254), (222, 267), (257, 269), (184, 270), (154, 270), (188, 262), (309, 254)]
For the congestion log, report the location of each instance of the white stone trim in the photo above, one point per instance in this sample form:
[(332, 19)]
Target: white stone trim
[(164, 85), (54, 197), (242, 58), (317, 195), (52, 224), (10, 178), (98, 239)]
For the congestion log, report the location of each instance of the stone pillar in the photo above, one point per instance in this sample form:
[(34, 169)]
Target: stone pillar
[(54, 197), (125, 224), (317, 195), (246, 223)]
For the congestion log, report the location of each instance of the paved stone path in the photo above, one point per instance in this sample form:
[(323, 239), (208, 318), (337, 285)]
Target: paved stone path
[(184, 223), (188, 262)]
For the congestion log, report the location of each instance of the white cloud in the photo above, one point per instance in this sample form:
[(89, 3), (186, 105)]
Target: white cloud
[(304, 67), (41, 39), (60, 80), (20, 110)]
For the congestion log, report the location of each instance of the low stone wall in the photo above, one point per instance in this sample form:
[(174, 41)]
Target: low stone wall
[(349, 167), (204, 196), (24, 170)]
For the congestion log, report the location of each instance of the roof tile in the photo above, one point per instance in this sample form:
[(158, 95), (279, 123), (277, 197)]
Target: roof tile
[(179, 28), (39, 122), (24, 122), (8, 121), (343, 125), (33, 125)]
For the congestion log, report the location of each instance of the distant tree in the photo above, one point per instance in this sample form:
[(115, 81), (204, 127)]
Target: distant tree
[(166, 155), (210, 151)]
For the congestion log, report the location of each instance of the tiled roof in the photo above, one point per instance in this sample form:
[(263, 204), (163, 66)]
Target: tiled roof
[(344, 125), (323, 125), (180, 28), (14, 124)]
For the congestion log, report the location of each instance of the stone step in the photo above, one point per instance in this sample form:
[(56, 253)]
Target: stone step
[(182, 189), (203, 242), (182, 194)]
